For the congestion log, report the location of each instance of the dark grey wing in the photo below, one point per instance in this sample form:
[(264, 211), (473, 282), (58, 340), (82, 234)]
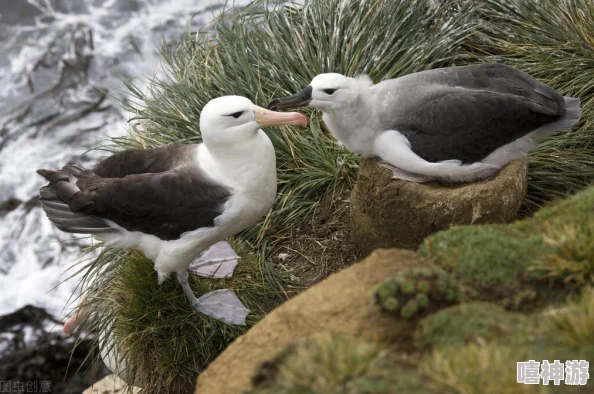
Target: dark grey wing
[(164, 204), (467, 112), (140, 161)]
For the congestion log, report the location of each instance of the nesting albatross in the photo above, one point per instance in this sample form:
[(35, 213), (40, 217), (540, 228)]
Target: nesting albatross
[(453, 124), (174, 202)]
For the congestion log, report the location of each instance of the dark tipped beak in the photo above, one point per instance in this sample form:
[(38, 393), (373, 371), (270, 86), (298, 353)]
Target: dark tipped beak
[(300, 99)]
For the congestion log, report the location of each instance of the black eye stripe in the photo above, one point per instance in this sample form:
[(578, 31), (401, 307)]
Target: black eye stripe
[(236, 114), (329, 91)]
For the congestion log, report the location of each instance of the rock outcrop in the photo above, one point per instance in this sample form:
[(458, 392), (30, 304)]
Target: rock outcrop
[(343, 303), (33, 353), (111, 384), (389, 213)]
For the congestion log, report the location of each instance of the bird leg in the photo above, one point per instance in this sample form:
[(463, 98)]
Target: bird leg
[(218, 261), (183, 281), (221, 305)]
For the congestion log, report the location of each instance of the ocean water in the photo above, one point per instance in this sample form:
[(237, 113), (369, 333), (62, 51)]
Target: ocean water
[(61, 64)]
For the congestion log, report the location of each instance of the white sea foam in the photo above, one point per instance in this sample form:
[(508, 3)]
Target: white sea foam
[(34, 255)]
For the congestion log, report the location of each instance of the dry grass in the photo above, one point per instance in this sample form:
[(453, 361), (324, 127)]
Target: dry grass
[(572, 253), (574, 324)]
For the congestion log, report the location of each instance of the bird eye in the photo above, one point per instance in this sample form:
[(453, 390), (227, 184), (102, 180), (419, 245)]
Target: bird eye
[(329, 92), (236, 114)]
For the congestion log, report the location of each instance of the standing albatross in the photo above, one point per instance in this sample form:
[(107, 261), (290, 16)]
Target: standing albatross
[(174, 202), (454, 124)]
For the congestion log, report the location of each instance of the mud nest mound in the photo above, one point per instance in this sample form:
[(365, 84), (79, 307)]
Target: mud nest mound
[(387, 213)]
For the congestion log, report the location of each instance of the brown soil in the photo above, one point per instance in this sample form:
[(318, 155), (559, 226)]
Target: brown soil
[(344, 303), (318, 248)]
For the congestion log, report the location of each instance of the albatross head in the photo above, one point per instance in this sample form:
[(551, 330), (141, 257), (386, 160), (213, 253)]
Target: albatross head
[(235, 119), (326, 92)]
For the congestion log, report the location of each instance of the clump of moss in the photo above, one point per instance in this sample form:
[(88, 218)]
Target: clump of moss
[(415, 291), (467, 323), (164, 342), (559, 334), (489, 257), (339, 364), (499, 260)]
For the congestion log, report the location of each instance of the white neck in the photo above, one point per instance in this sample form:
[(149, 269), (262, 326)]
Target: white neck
[(249, 166), (354, 126)]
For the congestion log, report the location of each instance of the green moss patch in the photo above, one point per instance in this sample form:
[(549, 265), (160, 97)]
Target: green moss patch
[(499, 260), (562, 333), (469, 322)]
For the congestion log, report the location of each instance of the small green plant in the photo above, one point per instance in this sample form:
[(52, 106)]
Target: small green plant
[(574, 324), (415, 291)]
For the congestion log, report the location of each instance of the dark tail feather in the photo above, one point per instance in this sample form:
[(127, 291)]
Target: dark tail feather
[(56, 196), (47, 193)]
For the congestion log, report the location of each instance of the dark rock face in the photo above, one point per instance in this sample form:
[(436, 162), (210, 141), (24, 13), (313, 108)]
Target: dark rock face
[(389, 213), (33, 350), (9, 205)]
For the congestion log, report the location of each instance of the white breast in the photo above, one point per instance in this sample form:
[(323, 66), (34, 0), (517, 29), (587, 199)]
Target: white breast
[(355, 135)]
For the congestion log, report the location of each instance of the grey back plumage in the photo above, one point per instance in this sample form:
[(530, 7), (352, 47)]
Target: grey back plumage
[(469, 110), (159, 191)]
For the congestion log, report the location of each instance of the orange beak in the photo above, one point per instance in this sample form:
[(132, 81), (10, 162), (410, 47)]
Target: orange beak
[(270, 118)]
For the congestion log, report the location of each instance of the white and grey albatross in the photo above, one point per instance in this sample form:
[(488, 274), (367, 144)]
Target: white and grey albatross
[(452, 124), (174, 202)]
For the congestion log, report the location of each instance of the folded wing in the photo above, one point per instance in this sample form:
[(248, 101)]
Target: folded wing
[(165, 204), (467, 112)]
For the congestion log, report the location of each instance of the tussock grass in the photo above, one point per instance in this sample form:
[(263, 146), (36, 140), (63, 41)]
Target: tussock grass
[(163, 342)]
